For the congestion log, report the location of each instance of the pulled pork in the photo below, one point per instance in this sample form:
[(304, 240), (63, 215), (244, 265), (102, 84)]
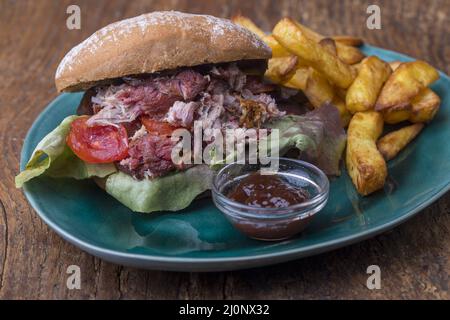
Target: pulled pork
[(221, 97), (149, 157)]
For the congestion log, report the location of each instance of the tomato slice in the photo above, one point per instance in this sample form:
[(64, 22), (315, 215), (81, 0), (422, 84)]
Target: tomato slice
[(97, 144), (156, 127)]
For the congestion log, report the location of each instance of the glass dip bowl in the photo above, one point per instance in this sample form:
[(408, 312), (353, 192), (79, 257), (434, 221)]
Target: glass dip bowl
[(272, 224)]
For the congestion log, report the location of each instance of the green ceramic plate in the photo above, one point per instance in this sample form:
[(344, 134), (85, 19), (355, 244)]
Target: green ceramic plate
[(199, 238)]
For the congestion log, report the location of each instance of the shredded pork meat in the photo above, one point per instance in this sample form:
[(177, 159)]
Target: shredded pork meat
[(223, 97), (181, 114), (149, 157)]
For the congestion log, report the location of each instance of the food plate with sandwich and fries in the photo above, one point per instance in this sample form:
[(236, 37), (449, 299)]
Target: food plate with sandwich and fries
[(383, 119)]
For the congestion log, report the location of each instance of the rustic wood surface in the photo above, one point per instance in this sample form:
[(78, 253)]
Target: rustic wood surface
[(414, 257)]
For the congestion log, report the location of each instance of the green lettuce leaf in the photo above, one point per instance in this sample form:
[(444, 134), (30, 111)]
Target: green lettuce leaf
[(53, 157), (318, 135), (169, 193)]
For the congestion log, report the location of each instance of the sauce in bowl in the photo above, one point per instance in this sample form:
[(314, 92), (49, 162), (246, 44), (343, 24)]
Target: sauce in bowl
[(267, 191), (272, 206)]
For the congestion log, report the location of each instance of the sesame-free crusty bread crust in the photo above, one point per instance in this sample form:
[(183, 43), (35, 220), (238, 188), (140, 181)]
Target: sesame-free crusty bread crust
[(155, 42)]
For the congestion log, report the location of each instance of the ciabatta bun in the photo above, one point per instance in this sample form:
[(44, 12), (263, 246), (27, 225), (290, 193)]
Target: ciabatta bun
[(154, 42)]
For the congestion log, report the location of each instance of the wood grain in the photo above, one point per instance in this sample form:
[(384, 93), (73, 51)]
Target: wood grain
[(414, 257)]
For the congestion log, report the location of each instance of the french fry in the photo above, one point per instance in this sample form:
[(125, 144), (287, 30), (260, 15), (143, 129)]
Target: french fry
[(424, 106), (314, 85), (329, 44), (349, 41), (348, 54), (365, 164), (295, 40), (396, 115), (298, 79), (363, 93), (318, 90), (281, 69), (278, 51), (395, 64), (392, 143), (308, 32), (405, 83), (247, 23)]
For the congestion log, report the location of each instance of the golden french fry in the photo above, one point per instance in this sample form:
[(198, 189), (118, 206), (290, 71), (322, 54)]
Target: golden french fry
[(395, 64), (365, 164), (318, 90), (314, 85), (247, 23), (405, 83), (315, 36), (348, 54), (281, 69), (298, 79), (295, 40), (396, 115), (424, 106), (329, 44), (392, 143), (278, 51), (363, 93), (349, 41)]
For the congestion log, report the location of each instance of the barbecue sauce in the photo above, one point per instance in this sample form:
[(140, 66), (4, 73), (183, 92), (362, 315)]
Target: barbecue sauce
[(267, 191)]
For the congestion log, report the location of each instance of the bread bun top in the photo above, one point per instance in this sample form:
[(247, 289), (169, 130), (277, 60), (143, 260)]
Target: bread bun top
[(155, 42)]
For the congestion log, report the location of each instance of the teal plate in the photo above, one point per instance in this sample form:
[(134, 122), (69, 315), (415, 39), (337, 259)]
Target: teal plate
[(199, 238)]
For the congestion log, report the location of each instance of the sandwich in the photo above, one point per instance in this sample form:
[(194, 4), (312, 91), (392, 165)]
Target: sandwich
[(146, 77)]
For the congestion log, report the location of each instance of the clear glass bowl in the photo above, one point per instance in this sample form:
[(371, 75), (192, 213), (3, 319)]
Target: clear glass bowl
[(272, 224)]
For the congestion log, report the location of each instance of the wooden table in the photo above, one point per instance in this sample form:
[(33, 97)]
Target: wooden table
[(414, 258)]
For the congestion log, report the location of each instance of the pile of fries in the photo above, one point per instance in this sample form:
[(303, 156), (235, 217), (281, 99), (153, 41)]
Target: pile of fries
[(367, 91)]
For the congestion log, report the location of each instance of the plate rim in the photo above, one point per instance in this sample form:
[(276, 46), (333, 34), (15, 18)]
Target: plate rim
[(220, 263)]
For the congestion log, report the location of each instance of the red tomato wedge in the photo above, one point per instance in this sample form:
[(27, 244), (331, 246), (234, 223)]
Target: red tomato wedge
[(97, 144), (156, 127)]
